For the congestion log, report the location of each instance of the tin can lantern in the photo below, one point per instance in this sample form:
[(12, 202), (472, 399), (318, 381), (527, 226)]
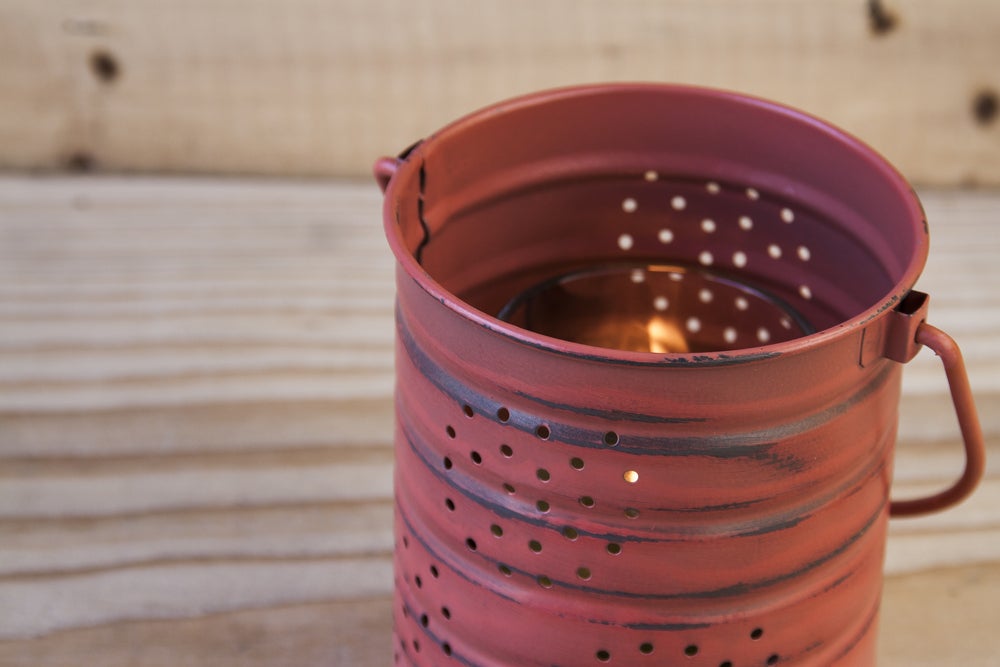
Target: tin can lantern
[(649, 348)]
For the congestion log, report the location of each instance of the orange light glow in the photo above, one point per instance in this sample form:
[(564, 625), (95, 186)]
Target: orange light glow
[(665, 336)]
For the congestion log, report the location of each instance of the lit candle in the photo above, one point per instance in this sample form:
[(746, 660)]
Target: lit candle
[(655, 308)]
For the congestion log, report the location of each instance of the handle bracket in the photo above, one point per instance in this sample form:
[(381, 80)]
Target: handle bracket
[(903, 322), (384, 169)]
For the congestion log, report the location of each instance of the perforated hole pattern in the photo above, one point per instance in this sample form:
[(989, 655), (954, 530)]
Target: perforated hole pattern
[(427, 611), (730, 236)]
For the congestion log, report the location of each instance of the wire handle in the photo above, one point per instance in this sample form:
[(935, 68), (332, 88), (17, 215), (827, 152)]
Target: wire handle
[(968, 423), (384, 169)]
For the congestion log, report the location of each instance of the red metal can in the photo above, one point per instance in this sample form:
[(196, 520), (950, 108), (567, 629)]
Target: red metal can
[(715, 495)]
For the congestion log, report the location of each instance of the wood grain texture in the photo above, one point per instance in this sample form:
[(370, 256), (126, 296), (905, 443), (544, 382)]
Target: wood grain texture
[(196, 425), (916, 629), (309, 87), (347, 633)]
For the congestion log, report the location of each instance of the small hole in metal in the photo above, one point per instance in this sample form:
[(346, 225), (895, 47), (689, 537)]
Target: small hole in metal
[(726, 663), (678, 203), (544, 581), (576, 463), (543, 474), (424, 621), (665, 236), (434, 571), (446, 613), (535, 546), (629, 205), (611, 438), (603, 655), (651, 175), (496, 530), (450, 504), (646, 648), (406, 542), (471, 543), (542, 505), (631, 476), (506, 451), (746, 223), (418, 581), (446, 647), (586, 501), (503, 414), (447, 463), (625, 242), (614, 548), (416, 646), (509, 488), (543, 432), (504, 570), (570, 533), (631, 512), (467, 409), (691, 650), (773, 659), (476, 458), (451, 431), (583, 573), (756, 634)]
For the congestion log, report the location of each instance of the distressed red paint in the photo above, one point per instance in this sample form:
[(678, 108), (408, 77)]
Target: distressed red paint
[(562, 504)]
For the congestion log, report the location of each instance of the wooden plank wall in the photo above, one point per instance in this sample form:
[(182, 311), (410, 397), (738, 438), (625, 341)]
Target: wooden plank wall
[(308, 87), (196, 422)]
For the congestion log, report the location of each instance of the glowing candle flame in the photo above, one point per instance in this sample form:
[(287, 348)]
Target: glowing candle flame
[(658, 308), (665, 336)]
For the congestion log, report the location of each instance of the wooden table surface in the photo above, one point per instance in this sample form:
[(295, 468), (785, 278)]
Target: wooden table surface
[(196, 423)]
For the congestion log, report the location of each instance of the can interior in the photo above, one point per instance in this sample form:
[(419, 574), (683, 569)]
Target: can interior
[(734, 188)]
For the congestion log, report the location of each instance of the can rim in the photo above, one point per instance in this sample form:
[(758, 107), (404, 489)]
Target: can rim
[(878, 163)]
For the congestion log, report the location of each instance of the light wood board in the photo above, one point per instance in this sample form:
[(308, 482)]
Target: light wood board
[(196, 423), (308, 87)]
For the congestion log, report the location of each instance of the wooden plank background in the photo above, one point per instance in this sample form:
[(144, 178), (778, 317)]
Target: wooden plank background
[(195, 429), (307, 87)]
